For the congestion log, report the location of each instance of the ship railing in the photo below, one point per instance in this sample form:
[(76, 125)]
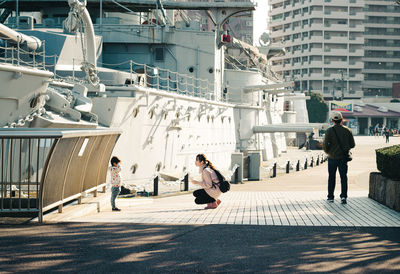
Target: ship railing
[(42, 169), (15, 54), (165, 79)]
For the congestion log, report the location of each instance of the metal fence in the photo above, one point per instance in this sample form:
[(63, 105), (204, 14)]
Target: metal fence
[(41, 169)]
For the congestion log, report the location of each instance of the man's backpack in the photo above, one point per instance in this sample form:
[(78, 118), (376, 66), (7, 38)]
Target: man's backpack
[(223, 184)]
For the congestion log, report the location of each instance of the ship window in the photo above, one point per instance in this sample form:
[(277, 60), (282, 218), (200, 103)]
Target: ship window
[(191, 69), (159, 53)]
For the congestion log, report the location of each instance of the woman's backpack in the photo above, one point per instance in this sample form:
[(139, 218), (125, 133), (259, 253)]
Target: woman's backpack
[(223, 184)]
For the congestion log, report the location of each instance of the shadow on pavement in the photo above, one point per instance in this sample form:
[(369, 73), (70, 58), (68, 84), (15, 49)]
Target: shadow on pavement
[(81, 247)]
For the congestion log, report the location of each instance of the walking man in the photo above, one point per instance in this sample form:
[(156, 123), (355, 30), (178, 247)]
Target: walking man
[(338, 141)]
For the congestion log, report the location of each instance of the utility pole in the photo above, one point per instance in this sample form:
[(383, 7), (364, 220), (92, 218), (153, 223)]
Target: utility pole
[(342, 82)]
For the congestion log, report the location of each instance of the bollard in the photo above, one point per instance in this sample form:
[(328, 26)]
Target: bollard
[(155, 186), (186, 182), (317, 162), (287, 166), (274, 171), (312, 162), (305, 164), (298, 165)]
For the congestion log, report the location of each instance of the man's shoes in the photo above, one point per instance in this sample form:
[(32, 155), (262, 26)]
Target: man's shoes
[(330, 200), (344, 201), (116, 209)]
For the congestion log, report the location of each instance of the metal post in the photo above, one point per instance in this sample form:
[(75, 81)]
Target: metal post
[(317, 163), (17, 13), (155, 186), (312, 162), (130, 70), (44, 54), (274, 171), (101, 13), (287, 166), (186, 181), (237, 175), (73, 70), (18, 51), (55, 63), (298, 165), (305, 163)]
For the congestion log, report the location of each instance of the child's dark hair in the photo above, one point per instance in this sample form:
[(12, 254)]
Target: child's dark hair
[(115, 160)]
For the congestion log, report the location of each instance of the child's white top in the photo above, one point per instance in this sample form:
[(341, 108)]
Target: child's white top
[(115, 176)]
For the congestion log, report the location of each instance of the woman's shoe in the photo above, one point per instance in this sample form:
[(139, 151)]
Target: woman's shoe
[(211, 205)]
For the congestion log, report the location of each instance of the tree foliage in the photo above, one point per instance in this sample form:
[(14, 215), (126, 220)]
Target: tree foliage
[(317, 108), (395, 100)]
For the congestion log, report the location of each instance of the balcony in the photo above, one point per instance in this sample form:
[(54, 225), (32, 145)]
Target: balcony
[(317, 14), (356, 77), (336, 39), (355, 65), (276, 11), (336, 14), (356, 40), (335, 64), (356, 27), (356, 52), (336, 52)]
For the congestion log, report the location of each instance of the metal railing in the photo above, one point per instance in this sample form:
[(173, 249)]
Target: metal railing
[(14, 54), (41, 169), (164, 79)]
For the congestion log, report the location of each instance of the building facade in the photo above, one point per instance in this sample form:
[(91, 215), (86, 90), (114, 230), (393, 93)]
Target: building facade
[(324, 42), (382, 47)]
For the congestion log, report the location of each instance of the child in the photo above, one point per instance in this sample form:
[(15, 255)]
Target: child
[(116, 181)]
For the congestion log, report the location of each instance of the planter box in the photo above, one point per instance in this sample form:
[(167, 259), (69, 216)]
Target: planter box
[(384, 190)]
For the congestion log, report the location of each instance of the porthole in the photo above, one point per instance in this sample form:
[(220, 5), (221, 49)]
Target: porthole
[(191, 69), (134, 168), (135, 112), (151, 114), (158, 166), (210, 70)]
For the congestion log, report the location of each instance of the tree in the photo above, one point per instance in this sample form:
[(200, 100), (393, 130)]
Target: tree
[(395, 100), (317, 108)]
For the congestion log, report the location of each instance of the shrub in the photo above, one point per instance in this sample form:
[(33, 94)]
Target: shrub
[(388, 162)]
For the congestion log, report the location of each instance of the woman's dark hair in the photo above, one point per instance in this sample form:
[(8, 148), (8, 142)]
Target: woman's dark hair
[(115, 160), (202, 158)]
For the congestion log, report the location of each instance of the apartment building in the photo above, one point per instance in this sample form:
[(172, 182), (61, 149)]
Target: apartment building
[(382, 48), (324, 42)]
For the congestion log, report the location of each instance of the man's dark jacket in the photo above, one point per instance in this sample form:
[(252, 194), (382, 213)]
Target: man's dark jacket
[(331, 144)]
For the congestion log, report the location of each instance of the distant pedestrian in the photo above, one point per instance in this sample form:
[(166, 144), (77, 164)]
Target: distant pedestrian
[(387, 134), (337, 143), (210, 191), (116, 181), (371, 131)]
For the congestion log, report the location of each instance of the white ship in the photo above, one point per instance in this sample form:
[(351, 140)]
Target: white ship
[(167, 88)]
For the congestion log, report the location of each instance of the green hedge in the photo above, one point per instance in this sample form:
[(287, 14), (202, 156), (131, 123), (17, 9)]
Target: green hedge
[(388, 162)]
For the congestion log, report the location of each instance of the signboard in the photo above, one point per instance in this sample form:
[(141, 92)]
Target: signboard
[(341, 106)]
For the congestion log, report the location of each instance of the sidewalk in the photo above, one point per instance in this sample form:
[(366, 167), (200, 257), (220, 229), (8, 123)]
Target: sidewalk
[(280, 225), (298, 199)]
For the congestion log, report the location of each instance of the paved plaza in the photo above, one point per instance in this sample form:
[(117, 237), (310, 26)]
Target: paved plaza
[(281, 224)]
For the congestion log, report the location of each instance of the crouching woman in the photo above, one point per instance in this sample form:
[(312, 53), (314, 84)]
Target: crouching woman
[(209, 182)]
